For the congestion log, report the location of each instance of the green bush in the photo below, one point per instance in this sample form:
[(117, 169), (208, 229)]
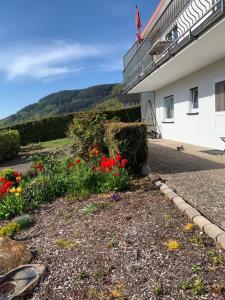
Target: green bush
[(86, 131), (57, 127), (9, 144), (130, 140)]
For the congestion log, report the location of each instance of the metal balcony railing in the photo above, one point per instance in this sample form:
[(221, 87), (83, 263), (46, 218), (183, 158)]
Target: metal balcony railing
[(181, 22)]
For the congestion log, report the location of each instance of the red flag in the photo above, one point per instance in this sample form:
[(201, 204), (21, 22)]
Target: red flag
[(138, 20), (138, 24)]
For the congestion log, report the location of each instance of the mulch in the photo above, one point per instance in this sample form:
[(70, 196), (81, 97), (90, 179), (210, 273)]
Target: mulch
[(120, 251)]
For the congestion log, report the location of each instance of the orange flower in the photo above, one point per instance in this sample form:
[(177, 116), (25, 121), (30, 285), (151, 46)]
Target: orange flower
[(188, 227), (95, 151)]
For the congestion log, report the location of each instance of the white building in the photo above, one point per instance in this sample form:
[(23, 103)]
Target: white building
[(179, 69)]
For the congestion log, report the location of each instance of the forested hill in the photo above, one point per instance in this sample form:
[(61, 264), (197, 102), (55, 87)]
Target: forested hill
[(64, 102)]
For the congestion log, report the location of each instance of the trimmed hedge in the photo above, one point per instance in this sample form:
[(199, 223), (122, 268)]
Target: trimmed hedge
[(9, 144), (57, 127), (130, 140)]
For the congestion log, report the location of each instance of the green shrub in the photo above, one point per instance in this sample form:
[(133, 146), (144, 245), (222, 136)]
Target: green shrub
[(57, 127), (130, 140), (87, 130), (9, 144)]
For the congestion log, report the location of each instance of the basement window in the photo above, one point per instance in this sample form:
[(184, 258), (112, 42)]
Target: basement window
[(169, 108), (194, 105), (220, 96)]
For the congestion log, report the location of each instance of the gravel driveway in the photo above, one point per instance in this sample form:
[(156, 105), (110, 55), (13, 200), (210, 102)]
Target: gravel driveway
[(197, 174)]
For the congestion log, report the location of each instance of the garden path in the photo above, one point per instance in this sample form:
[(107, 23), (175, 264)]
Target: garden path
[(197, 174), (21, 164)]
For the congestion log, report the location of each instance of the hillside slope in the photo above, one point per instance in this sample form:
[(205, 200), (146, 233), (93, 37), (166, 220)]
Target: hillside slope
[(64, 102)]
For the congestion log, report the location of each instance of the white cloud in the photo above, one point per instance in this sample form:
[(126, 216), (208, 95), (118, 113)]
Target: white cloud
[(42, 62)]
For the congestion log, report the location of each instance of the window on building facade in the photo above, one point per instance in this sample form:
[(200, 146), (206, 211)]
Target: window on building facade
[(169, 108), (194, 99), (220, 96)]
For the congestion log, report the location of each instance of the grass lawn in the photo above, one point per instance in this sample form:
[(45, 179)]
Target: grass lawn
[(54, 144), (59, 143), (137, 247)]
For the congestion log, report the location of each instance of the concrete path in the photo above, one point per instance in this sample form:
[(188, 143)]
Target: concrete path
[(21, 164), (197, 174)]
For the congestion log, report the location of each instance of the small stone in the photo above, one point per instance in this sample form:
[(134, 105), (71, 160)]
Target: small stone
[(13, 254)]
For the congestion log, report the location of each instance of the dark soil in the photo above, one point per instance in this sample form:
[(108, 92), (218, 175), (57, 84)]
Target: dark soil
[(119, 252)]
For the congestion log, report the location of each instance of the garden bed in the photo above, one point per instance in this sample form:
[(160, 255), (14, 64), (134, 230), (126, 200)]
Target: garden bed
[(117, 249)]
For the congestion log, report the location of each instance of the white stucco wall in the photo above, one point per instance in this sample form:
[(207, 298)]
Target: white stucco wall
[(204, 129)]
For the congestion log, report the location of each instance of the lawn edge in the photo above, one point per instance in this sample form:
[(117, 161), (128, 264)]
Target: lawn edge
[(211, 229)]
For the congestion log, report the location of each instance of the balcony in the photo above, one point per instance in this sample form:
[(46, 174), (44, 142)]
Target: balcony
[(181, 24)]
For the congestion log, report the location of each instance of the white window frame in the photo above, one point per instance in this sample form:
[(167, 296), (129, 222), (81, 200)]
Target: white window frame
[(166, 119), (192, 94), (216, 86)]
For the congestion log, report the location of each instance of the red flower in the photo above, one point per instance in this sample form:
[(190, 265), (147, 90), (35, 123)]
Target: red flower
[(3, 180), (104, 158), (5, 187), (17, 174), (95, 151), (78, 161), (124, 161), (39, 167), (116, 174), (118, 157)]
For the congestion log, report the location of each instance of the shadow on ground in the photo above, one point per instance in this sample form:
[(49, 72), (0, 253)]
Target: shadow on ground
[(165, 160)]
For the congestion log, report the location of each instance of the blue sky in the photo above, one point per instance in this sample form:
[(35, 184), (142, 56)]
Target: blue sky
[(52, 45)]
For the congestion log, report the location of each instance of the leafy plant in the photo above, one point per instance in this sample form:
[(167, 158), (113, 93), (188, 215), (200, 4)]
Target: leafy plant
[(66, 244), (12, 205), (197, 239), (158, 289), (216, 259), (10, 229), (196, 268), (198, 287), (94, 207), (186, 285)]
